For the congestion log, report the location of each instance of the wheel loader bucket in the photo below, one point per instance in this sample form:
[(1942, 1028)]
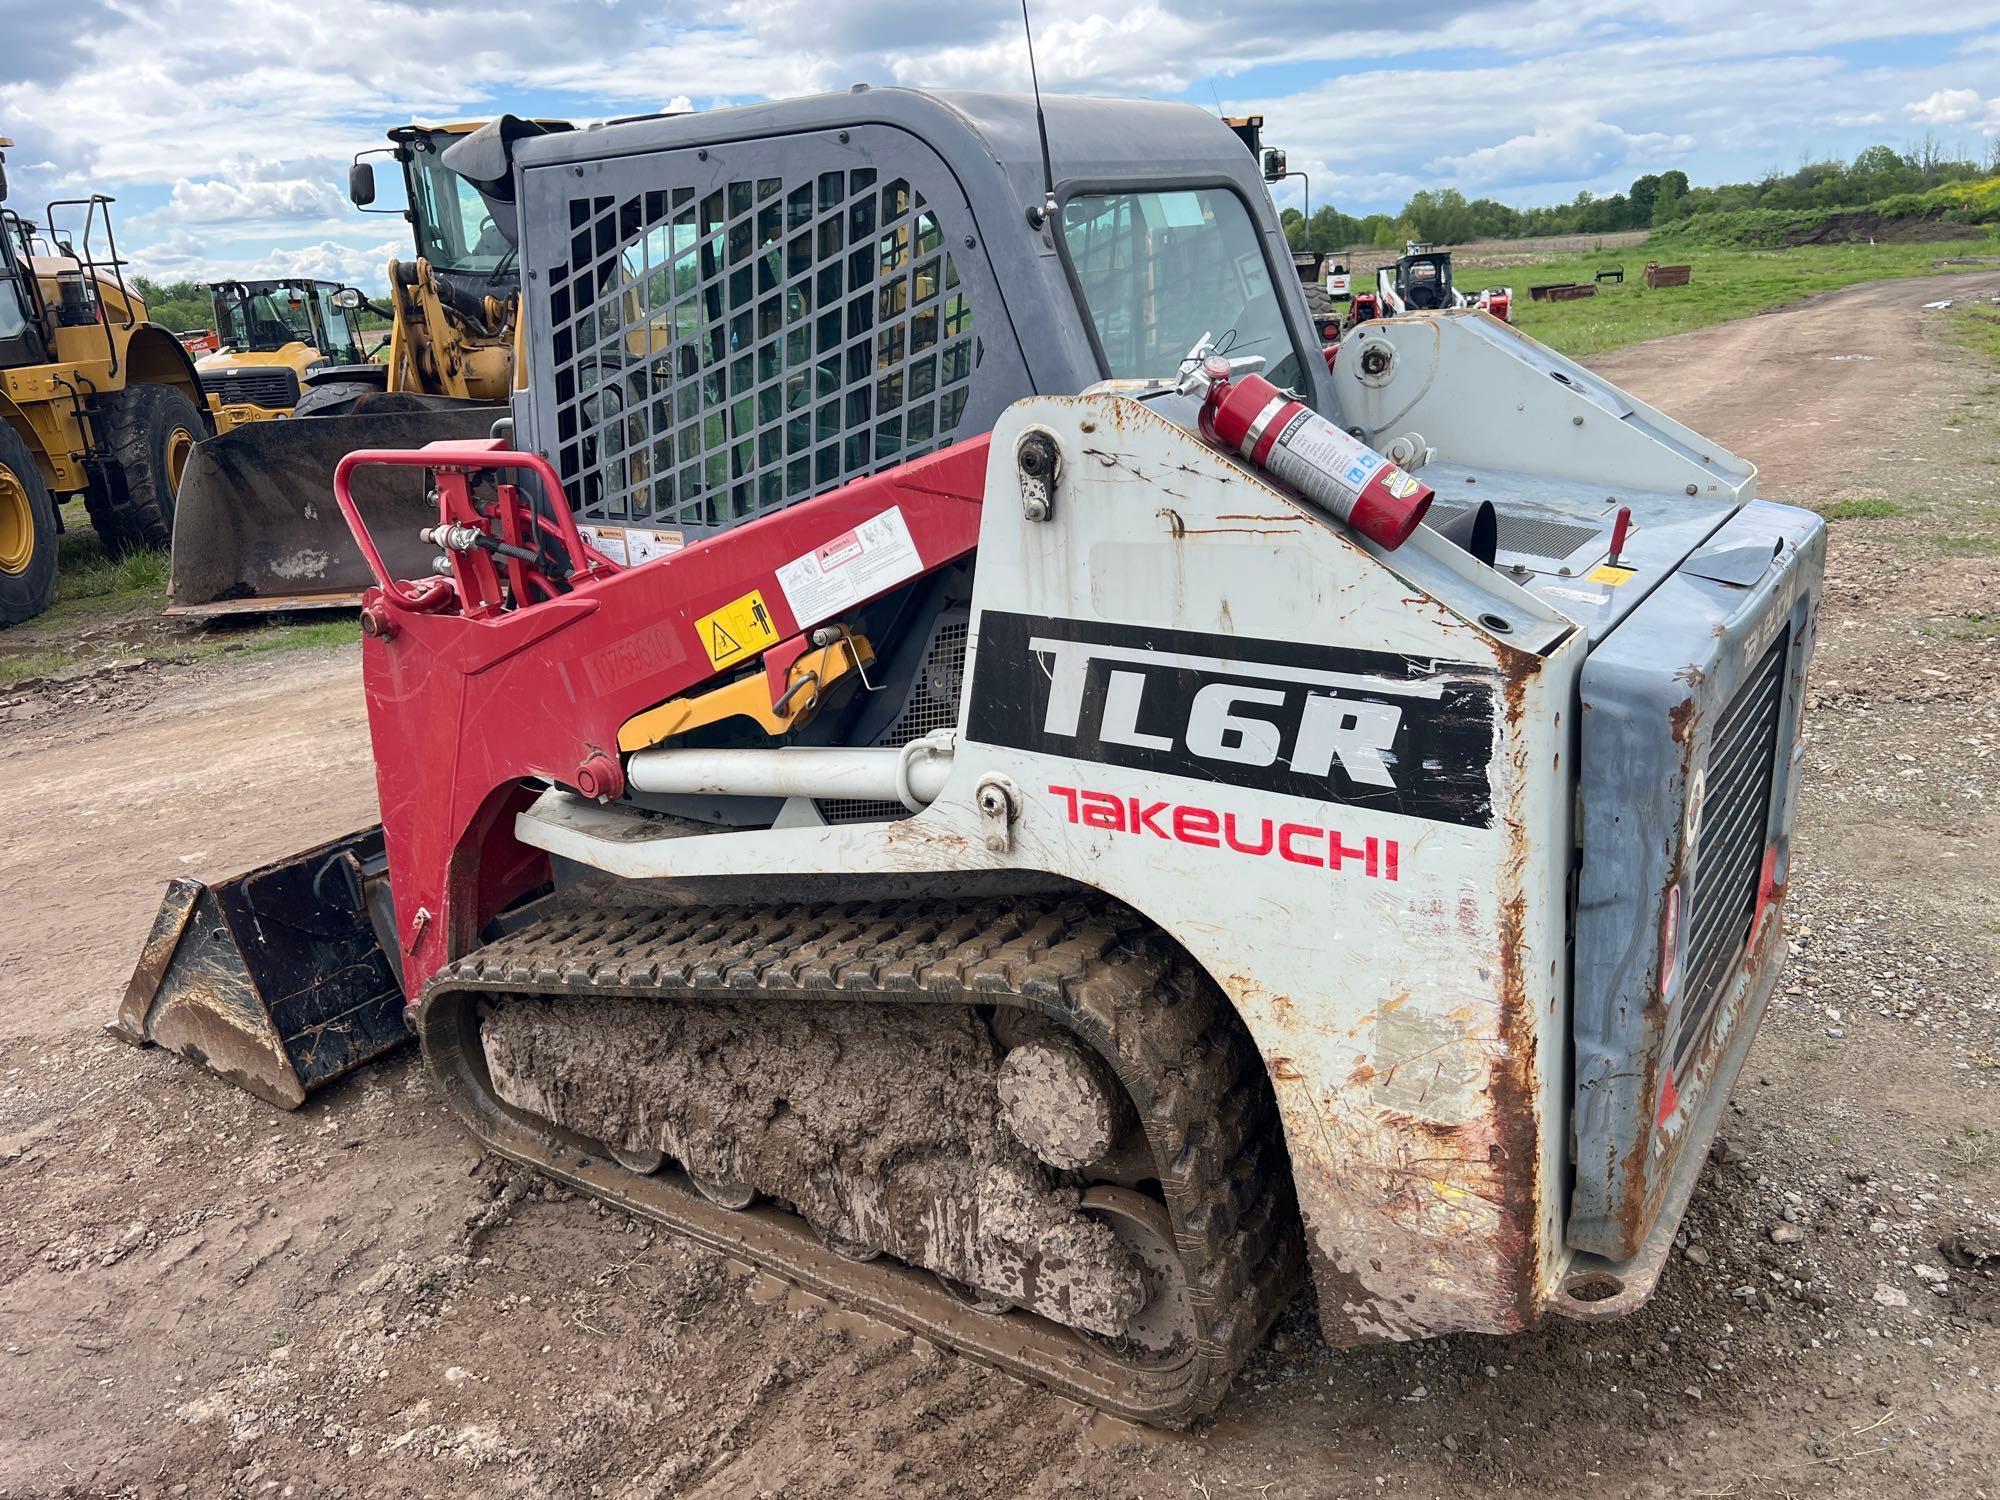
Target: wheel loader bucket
[(274, 979), (256, 529)]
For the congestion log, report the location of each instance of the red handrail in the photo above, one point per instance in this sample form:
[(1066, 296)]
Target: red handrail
[(457, 457)]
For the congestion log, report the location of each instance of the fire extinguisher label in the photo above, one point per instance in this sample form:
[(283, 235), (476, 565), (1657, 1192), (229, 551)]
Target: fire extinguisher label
[(1315, 445)]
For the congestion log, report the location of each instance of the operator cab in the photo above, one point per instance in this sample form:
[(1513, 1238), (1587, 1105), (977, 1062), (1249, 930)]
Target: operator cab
[(262, 317), (21, 341), (1423, 279)]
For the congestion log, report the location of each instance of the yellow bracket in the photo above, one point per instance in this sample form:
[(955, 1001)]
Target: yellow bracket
[(749, 697)]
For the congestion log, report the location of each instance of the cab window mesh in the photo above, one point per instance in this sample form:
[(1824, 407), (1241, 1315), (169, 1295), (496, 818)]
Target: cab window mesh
[(722, 354)]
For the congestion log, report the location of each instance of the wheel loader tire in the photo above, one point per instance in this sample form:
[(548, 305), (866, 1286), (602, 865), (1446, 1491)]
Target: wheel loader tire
[(149, 430), (27, 533), (1319, 302), (333, 399)]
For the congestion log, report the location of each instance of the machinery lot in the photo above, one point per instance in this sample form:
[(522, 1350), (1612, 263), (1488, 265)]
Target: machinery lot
[(200, 1296)]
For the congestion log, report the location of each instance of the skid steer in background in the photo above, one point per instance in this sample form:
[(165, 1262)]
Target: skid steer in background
[(95, 400), (274, 336), (1421, 281), (1061, 850), (258, 530)]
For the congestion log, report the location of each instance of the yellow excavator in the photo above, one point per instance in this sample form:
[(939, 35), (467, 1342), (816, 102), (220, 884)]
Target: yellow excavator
[(256, 528), (95, 399), (274, 336)]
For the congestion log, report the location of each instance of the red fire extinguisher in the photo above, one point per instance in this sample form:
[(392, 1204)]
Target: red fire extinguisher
[(1362, 488)]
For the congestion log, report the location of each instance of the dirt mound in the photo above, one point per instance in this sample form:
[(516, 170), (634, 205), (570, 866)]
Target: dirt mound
[(1866, 224)]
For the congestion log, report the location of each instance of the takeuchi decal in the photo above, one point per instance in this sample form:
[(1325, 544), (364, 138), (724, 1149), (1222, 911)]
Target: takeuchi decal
[(1207, 828)]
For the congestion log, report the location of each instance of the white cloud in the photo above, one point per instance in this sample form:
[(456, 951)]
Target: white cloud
[(181, 254), (241, 202), (179, 106), (1572, 149), (1945, 107)]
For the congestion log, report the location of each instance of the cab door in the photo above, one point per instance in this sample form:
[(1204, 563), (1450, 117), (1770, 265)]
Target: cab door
[(21, 341)]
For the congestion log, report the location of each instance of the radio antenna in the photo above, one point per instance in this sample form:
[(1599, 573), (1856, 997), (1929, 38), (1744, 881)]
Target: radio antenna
[(1039, 213)]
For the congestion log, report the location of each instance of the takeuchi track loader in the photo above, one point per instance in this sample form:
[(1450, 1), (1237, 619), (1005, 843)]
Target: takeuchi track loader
[(955, 759)]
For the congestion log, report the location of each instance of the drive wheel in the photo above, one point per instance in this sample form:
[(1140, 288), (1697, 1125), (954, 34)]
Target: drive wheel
[(149, 430), (1165, 1328), (27, 533)]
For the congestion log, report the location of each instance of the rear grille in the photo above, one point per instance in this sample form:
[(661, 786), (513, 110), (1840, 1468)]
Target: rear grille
[(1729, 857), (1527, 535), (933, 704), (269, 388)]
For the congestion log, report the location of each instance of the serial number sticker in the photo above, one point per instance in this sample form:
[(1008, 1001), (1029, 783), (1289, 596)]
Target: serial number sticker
[(1582, 596), (1611, 574), (856, 565), (741, 628)]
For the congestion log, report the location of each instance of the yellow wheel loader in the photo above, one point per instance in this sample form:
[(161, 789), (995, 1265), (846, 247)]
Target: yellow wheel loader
[(257, 528), (274, 336), (95, 400)]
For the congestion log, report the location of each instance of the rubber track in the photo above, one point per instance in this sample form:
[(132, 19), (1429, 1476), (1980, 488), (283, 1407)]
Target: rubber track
[(1093, 966)]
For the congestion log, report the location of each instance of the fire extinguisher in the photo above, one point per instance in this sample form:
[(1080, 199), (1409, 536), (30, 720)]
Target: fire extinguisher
[(1253, 417)]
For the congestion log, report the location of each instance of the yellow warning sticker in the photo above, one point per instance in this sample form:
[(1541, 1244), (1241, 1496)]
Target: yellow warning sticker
[(1610, 573), (741, 628)]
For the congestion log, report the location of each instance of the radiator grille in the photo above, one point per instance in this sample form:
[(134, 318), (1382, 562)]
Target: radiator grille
[(1729, 857), (722, 354), (933, 704), (275, 388), (1530, 536)]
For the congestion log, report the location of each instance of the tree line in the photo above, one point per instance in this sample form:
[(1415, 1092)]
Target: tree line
[(1656, 200)]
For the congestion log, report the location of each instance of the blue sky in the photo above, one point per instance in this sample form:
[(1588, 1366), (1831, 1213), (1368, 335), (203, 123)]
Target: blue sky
[(224, 127)]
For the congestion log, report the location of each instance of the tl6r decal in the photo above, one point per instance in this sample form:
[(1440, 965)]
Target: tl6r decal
[(1372, 729), (1204, 827)]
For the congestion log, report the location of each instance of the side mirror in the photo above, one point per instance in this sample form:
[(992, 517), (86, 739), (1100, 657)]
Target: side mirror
[(3, 182), (361, 184), (1274, 164), (348, 298)]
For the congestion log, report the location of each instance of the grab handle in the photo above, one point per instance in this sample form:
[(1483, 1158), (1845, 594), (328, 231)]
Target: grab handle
[(449, 457)]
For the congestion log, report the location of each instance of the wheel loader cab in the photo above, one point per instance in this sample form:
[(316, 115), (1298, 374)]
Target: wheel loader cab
[(258, 528), (274, 335), (21, 337)]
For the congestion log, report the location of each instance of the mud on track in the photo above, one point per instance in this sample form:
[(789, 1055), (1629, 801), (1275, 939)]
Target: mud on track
[(201, 1297)]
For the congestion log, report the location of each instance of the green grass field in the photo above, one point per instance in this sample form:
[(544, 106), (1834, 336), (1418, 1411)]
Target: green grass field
[(1727, 284)]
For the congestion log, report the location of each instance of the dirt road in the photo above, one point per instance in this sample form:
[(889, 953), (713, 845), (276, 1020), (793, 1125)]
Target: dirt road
[(201, 1297)]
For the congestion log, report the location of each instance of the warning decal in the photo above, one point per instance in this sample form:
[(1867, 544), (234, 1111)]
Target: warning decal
[(632, 545), (741, 628), (1610, 573), (853, 566)]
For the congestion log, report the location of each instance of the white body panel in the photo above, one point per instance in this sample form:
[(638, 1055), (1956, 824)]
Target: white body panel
[(1410, 1006), (1436, 373)]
